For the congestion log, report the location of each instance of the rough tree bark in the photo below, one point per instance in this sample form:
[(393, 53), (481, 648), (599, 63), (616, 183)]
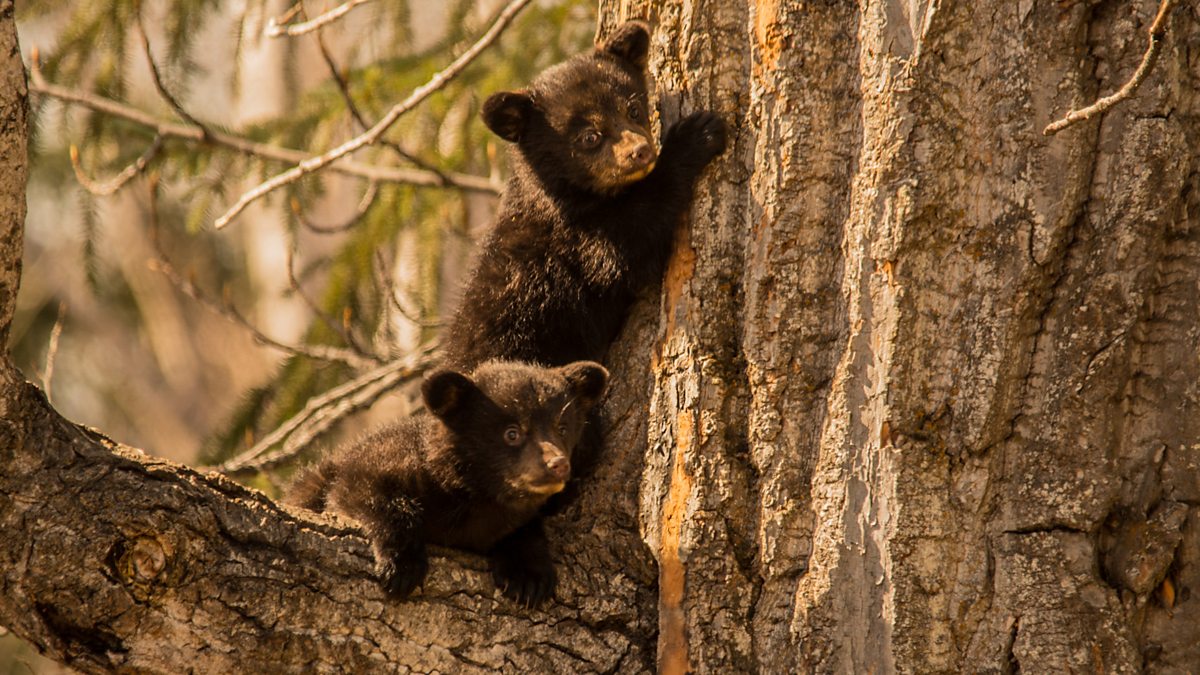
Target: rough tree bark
[(922, 392)]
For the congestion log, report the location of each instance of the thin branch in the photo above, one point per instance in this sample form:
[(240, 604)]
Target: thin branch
[(52, 352), (344, 87), (1157, 30), (162, 264), (387, 287), (276, 27), (227, 310), (160, 86), (364, 205), (321, 412), (119, 181), (385, 330), (372, 135), (244, 146), (343, 331)]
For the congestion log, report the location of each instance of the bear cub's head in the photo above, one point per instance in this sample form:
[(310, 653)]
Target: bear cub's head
[(513, 426), (585, 121)]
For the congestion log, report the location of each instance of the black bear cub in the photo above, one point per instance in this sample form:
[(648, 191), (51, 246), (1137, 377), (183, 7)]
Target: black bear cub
[(471, 475), (588, 215)]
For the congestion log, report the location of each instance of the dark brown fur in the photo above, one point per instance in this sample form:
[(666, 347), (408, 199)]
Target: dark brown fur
[(588, 215), (472, 474)]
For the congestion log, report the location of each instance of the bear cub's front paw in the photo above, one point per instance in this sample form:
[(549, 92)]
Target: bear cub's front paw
[(401, 571), (699, 137), (527, 582)]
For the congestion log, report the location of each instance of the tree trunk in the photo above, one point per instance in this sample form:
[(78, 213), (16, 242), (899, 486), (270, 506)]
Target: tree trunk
[(922, 393)]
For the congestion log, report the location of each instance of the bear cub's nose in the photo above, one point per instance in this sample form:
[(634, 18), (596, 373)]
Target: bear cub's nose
[(559, 467), (641, 154)]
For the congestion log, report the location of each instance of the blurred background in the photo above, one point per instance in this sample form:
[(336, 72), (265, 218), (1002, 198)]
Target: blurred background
[(141, 320)]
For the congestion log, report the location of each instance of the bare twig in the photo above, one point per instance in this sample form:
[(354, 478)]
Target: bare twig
[(344, 87), (52, 352), (342, 330), (388, 288), (372, 135), (279, 27), (190, 132), (321, 412), (160, 86), (364, 205), (1157, 30), (121, 179), (227, 310), (162, 264)]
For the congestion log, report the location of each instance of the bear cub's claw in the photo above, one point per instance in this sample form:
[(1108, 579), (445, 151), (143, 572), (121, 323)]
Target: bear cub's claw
[(527, 585), (700, 136), (401, 572)]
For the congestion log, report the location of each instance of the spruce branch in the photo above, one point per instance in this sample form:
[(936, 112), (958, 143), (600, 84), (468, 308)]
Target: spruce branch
[(341, 329), (344, 89), (162, 264), (161, 86), (111, 186), (1157, 30), (280, 27), (322, 412), (194, 134), (364, 205), (372, 135)]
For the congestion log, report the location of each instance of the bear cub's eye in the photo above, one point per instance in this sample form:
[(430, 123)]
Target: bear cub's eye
[(562, 428), (589, 139), (513, 435), (635, 112)]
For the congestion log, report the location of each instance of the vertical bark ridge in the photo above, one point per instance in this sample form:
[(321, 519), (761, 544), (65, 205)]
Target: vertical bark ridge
[(14, 110), (805, 110)]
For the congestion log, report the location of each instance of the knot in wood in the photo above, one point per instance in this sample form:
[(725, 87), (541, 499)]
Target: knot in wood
[(147, 559), (140, 563)]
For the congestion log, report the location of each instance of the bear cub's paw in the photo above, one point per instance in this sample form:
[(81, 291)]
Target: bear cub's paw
[(698, 138), (401, 571), (528, 582)]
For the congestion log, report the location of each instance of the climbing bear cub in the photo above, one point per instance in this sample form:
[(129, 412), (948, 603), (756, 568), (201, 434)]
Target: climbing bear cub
[(472, 474), (587, 218)]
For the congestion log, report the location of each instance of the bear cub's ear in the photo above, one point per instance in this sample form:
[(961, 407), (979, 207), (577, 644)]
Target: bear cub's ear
[(507, 112), (631, 42), (587, 378), (445, 392)]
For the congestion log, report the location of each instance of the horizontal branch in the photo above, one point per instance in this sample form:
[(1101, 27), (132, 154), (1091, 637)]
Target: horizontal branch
[(117, 562), (244, 146), (373, 134)]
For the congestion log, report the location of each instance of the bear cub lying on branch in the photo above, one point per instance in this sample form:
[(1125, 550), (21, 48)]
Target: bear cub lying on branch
[(472, 474)]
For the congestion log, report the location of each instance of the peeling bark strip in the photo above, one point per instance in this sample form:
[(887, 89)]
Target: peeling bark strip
[(924, 394), (672, 641)]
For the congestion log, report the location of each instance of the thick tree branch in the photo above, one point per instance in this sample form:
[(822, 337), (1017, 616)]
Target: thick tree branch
[(373, 134), (115, 561)]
